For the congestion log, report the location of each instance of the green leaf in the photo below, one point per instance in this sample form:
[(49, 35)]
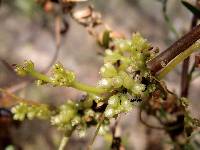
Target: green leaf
[(192, 8), (106, 38)]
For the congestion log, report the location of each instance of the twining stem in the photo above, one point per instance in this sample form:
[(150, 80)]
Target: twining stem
[(40, 76), (88, 88), (63, 142), (78, 85), (179, 58)]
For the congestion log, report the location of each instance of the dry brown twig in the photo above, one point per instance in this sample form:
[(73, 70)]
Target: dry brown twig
[(160, 61), (185, 75)]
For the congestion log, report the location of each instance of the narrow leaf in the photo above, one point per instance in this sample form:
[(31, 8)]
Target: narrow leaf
[(106, 38), (192, 8)]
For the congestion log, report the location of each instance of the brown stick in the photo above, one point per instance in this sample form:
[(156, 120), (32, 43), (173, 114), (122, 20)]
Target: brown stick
[(175, 49), (185, 81), (184, 78)]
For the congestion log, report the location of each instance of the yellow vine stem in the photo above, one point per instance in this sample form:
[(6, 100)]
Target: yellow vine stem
[(178, 59), (87, 88), (77, 85)]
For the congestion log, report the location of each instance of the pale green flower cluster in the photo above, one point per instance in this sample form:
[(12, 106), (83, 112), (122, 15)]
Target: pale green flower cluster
[(23, 110), (61, 76), (67, 117), (124, 77), (125, 68), (126, 65), (25, 69), (117, 104), (75, 115)]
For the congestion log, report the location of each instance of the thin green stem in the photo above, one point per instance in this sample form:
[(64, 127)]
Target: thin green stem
[(96, 132), (88, 88), (179, 58), (167, 18), (77, 85), (63, 142), (170, 24), (40, 76)]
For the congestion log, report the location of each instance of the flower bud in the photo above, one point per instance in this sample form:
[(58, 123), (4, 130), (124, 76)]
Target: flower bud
[(89, 113), (137, 89), (105, 83), (114, 101), (20, 71), (62, 77), (117, 82), (111, 57), (28, 65), (20, 111), (108, 70), (25, 68), (151, 88), (88, 102), (127, 80), (126, 104), (76, 120), (97, 98), (139, 42), (109, 112), (123, 45)]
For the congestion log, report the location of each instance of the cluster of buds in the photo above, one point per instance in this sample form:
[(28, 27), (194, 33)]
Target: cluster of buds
[(62, 77), (124, 76), (23, 110), (25, 69), (117, 104)]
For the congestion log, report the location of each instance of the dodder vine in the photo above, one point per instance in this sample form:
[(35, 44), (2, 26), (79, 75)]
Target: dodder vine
[(125, 78)]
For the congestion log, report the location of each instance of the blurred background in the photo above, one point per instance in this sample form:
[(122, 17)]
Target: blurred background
[(27, 33)]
